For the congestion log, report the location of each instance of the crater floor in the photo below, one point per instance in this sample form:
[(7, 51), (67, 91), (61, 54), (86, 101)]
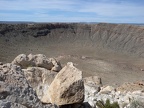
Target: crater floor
[(113, 52)]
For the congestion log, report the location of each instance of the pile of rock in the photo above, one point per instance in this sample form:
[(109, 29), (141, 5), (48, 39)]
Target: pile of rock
[(15, 91), (35, 81), (94, 93)]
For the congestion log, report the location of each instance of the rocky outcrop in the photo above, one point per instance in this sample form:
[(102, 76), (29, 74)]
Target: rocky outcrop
[(38, 86), (15, 90), (51, 84), (66, 88), (31, 80), (38, 70)]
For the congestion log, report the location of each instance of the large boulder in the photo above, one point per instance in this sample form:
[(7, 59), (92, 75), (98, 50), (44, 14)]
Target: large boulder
[(39, 78), (67, 87), (38, 60), (15, 89)]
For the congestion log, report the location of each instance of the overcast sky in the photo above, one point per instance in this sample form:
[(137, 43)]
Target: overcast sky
[(113, 11)]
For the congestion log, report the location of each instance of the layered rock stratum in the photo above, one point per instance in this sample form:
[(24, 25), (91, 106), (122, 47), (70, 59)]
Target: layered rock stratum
[(38, 86)]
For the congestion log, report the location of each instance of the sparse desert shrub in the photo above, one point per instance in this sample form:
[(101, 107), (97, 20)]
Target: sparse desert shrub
[(107, 104)]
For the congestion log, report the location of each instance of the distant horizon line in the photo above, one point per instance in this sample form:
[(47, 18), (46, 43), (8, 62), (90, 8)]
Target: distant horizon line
[(12, 22)]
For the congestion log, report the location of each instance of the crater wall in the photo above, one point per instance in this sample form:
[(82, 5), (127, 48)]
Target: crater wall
[(34, 37)]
